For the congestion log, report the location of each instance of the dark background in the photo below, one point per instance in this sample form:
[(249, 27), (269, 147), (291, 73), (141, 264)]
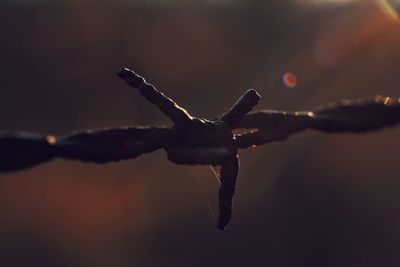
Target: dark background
[(315, 200)]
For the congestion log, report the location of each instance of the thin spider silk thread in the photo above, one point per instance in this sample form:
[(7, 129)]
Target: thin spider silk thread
[(208, 203), (215, 173), (206, 199)]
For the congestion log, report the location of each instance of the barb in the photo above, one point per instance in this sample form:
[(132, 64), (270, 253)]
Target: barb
[(195, 140), (243, 106), (176, 113), (229, 173)]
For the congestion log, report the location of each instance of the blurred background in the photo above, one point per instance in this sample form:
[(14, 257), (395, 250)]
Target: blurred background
[(315, 200)]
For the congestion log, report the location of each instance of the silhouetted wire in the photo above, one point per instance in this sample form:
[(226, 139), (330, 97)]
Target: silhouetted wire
[(197, 141)]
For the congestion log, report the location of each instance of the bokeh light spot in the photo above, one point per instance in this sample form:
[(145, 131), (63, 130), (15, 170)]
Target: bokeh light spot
[(51, 139), (388, 101), (290, 80)]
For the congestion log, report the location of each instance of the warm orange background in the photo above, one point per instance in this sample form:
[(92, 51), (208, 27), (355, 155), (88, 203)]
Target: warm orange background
[(315, 200)]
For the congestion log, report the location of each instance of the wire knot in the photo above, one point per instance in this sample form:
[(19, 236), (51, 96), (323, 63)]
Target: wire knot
[(201, 141)]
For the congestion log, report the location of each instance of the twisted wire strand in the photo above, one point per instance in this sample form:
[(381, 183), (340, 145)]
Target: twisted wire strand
[(194, 140)]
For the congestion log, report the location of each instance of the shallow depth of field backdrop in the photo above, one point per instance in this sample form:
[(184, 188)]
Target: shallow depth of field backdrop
[(315, 200)]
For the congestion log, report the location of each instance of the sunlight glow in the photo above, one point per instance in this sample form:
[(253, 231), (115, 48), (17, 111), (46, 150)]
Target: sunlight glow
[(390, 7), (329, 2)]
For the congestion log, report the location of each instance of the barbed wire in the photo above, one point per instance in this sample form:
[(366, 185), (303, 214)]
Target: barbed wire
[(193, 140)]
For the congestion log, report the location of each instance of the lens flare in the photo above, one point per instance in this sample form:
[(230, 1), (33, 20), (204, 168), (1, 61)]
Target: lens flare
[(290, 80), (391, 8)]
